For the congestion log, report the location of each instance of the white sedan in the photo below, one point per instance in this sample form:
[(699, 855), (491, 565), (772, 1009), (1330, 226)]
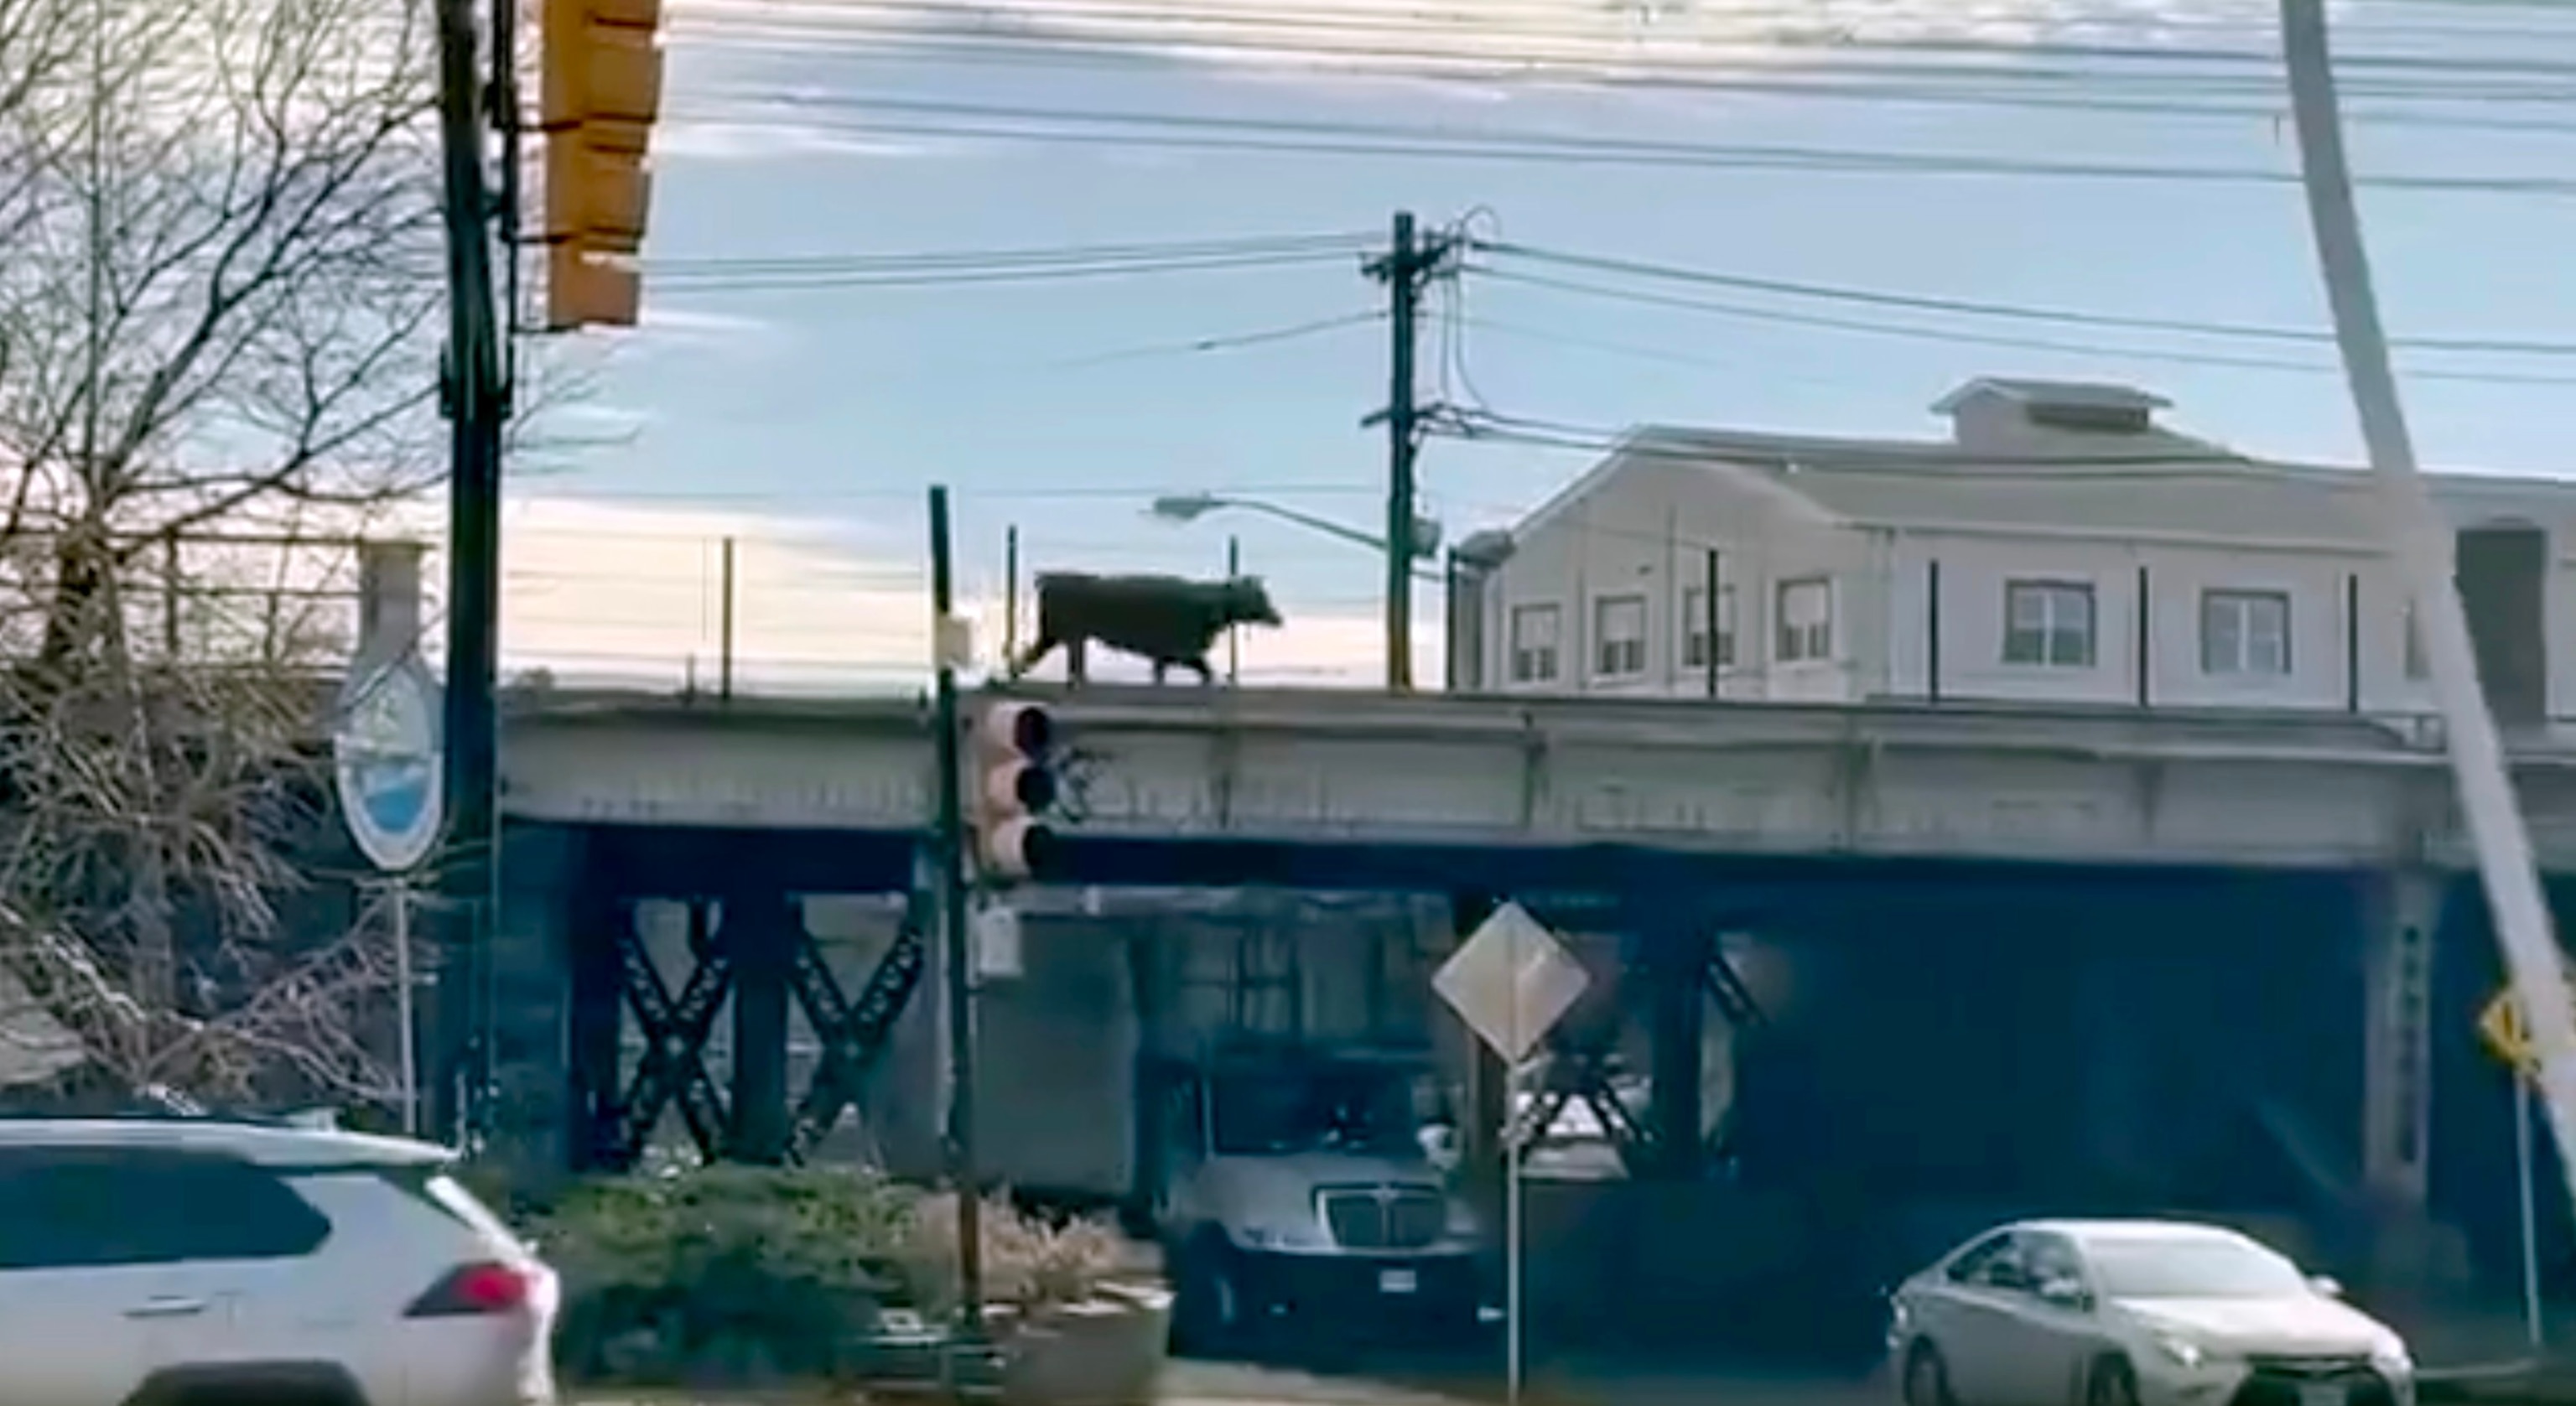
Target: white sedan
[(2135, 1313)]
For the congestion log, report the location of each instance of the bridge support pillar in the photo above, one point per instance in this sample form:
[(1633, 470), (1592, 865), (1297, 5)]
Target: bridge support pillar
[(760, 932), (1677, 945), (603, 919), (534, 1125), (2402, 911), (1488, 1102)]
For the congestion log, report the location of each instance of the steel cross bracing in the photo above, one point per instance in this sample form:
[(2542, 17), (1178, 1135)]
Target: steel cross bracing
[(675, 1044), (852, 1036), (1584, 1064), (678, 1029)]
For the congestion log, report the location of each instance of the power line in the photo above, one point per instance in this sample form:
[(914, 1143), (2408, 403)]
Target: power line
[(1905, 458), (1958, 338), (1236, 341), (1324, 138), (1218, 34), (968, 497), (902, 48), (2022, 313), (1785, 31)]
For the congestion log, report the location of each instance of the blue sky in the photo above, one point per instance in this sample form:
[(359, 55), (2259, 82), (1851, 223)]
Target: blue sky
[(807, 423)]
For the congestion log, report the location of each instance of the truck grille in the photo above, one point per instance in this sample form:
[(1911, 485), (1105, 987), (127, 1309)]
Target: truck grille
[(2310, 1381), (1384, 1218)]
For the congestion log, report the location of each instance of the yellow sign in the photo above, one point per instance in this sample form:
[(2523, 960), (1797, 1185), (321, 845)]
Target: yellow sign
[(2506, 1037)]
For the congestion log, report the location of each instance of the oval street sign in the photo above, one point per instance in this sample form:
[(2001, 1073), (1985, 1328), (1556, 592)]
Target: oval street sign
[(385, 753)]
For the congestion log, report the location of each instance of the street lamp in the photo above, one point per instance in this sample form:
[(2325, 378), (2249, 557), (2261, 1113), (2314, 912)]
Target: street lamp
[(1193, 506)]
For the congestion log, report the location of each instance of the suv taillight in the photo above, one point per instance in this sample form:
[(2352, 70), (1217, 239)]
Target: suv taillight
[(473, 1290)]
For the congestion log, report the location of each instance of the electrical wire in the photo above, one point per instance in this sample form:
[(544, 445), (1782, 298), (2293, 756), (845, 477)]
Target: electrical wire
[(1737, 30), (1234, 341), (2497, 346), (1291, 39), (1951, 337), (1195, 131)]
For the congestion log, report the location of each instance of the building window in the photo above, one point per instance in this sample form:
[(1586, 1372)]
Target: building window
[(2048, 623), (1619, 637), (2419, 660), (1806, 621), (1534, 635), (2245, 632), (1695, 627)]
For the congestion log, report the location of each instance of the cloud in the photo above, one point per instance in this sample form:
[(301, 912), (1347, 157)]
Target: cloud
[(745, 138), (669, 324), (617, 593)]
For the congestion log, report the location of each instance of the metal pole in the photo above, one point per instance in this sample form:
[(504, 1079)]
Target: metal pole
[(475, 404), (1233, 633), (1513, 1342), (724, 629), (2423, 545), (1010, 595), (2524, 1188), (1709, 655), (951, 845), (403, 1014)]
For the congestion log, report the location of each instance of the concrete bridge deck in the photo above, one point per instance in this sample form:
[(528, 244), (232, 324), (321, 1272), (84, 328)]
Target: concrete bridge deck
[(1347, 767)]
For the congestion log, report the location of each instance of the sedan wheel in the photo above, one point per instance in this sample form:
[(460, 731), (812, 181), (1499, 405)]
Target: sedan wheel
[(1927, 1379), (2113, 1384)]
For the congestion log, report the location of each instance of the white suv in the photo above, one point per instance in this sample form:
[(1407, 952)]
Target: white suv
[(188, 1261)]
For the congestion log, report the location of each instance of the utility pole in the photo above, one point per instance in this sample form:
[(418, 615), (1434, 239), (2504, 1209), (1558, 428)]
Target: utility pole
[(1408, 265), (477, 404)]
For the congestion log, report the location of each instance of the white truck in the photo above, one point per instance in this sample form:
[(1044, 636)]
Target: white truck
[(1292, 1192)]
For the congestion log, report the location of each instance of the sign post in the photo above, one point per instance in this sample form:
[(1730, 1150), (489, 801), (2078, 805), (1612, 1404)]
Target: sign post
[(387, 765), (2501, 1029), (1511, 981)]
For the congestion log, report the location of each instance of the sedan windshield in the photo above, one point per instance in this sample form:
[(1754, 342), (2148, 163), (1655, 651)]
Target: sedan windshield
[(2195, 1268)]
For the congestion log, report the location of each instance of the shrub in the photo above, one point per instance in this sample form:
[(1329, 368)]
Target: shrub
[(731, 1274), (1029, 1265)]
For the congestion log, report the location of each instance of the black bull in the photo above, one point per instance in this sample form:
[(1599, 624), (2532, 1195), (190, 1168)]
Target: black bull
[(1164, 620)]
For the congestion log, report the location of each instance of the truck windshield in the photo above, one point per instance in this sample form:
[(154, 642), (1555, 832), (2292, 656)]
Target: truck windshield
[(1275, 1114)]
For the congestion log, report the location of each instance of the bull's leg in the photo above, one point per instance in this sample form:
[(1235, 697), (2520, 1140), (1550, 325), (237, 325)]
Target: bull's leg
[(1077, 661), (1207, 676), (1159, 668)]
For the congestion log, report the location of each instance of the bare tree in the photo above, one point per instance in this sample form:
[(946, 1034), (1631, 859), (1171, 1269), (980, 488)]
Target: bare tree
[(218, 317)]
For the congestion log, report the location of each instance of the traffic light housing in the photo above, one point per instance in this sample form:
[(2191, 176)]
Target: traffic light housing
[(601, 93), (1016, 790)]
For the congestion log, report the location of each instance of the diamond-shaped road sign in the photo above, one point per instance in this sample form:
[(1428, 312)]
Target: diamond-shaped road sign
[(1512, 980)]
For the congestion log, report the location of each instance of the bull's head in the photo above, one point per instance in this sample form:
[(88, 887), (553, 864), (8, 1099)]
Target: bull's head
[(1247, 602)]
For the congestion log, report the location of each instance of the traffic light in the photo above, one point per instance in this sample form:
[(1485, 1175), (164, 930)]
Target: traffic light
[(1016, 788), (601, 93)]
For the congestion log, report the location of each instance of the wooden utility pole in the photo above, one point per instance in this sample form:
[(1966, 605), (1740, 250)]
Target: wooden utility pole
[(1407, 267)]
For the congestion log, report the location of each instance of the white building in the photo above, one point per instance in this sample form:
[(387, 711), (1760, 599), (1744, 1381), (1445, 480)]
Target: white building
[(2059, 545)]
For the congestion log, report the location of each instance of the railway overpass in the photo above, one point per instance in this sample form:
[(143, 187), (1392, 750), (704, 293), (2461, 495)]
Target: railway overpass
[(2144, 831)]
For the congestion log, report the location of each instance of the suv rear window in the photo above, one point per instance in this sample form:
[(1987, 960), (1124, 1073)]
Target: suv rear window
[(436, 1188), (93, 1207)]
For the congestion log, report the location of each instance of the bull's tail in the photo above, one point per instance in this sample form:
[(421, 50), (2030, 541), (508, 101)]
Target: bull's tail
[(1029, 658)]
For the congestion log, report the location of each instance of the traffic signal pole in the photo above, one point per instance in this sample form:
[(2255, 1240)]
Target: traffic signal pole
[(476, 403), (949, 847)]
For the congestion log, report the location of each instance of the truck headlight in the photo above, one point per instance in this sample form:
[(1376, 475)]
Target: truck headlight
[(2391, 1359), (1462, 1221)]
